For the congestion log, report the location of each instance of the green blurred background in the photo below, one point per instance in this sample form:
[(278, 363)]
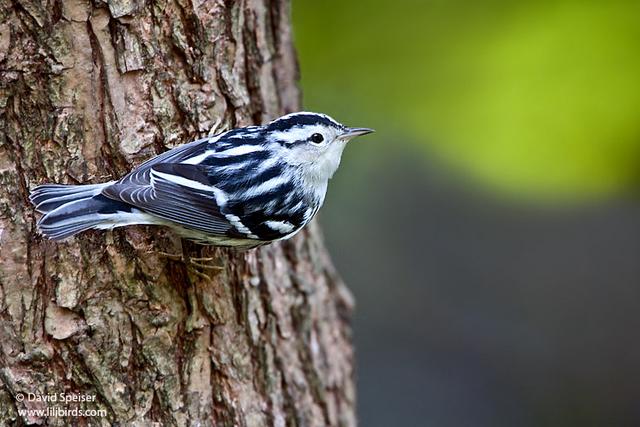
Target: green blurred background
[(535, 97), (490, 229)]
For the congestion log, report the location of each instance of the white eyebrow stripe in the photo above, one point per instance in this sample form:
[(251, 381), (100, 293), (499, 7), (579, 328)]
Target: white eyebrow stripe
[(296, 133)]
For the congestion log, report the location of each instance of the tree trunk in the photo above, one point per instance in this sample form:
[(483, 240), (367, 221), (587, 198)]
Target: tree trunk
[(87, 91)]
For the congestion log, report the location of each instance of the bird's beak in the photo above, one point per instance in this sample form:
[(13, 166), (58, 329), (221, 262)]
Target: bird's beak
[(353, 132)]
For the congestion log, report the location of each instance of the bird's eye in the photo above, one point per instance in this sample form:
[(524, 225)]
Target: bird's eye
[(317, 138)]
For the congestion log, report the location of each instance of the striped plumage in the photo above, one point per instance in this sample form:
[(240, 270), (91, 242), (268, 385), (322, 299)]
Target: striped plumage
[(242, 188)]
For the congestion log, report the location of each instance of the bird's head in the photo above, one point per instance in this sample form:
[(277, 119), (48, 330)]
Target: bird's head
[(312, 142)]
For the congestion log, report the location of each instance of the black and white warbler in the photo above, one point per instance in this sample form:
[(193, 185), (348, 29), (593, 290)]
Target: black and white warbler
[(243, 188)]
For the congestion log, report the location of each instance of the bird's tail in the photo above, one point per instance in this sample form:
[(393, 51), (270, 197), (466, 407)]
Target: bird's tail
[(71, 209)]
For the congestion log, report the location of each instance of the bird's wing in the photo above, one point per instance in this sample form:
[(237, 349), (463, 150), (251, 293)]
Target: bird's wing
[(191, 152), (180, 153), (180, 193), (141, 175)]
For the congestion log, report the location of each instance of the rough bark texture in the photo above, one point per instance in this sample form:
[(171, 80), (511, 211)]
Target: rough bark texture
[(87, 91)]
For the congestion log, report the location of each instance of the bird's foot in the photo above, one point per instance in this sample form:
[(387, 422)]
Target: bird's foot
[(202, 262), (195, 264), (174, 257)]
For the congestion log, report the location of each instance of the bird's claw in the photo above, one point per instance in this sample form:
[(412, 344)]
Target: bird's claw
[(194, 264), (174, 257)]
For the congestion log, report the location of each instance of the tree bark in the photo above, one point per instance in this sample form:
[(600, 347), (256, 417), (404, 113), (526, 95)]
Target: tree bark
[(87, 91)]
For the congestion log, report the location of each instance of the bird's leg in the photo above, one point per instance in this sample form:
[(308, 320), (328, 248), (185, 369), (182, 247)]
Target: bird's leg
[(200, 263), (200, 274), (174, 257), (176, 243), (195, 261), (193, 264)]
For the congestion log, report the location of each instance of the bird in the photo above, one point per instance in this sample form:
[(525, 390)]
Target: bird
[(242, 188)]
